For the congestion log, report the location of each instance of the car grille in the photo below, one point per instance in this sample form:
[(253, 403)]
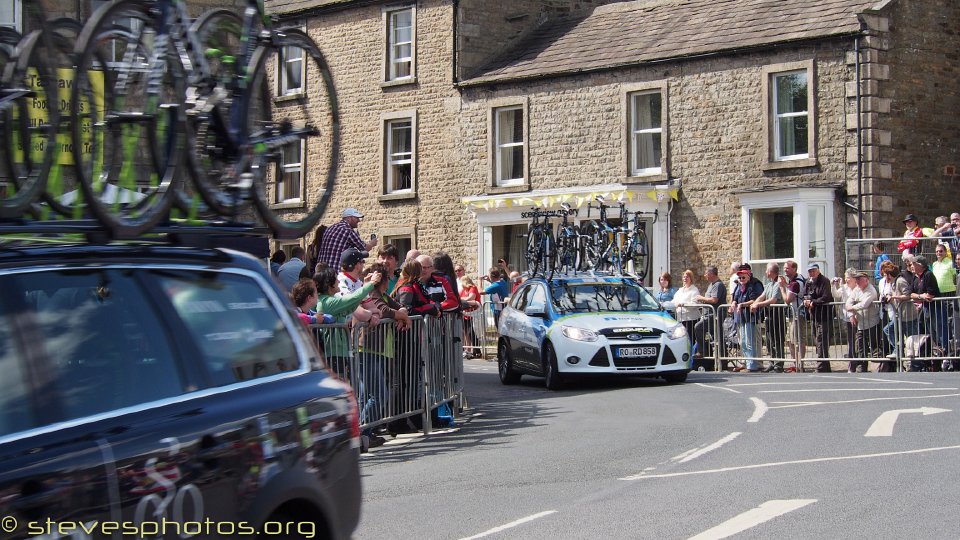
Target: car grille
[(631, 334)]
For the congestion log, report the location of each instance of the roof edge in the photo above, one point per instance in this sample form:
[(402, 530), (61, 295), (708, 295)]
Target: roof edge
[(493, 81)]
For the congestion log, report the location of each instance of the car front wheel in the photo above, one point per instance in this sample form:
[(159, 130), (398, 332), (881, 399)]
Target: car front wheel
[(505, 365), (552, 377)]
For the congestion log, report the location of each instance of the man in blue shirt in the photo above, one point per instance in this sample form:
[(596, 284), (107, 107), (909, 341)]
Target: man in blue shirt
[(499, 290)]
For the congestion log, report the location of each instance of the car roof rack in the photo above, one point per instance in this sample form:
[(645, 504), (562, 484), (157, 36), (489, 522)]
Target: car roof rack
[(207, 234)]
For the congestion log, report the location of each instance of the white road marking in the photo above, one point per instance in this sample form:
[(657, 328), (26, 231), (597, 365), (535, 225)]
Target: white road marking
[(751, 518), (892, 381), (856, 390), (760, 409), (642, 476), (883, 425), (719, 388), (520, 521), (678, 457), (864, 382), (688, 456), (791, 404)]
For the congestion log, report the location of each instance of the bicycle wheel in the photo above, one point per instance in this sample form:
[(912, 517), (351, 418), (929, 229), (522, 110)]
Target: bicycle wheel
[(62, 194), (534, 253), (640, 254), (30, 120), (128, 118), (210, 154), (568, 252), (291, 128), (590, 246)]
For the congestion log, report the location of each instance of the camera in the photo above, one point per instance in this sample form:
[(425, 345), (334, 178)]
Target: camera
[(396, 273)]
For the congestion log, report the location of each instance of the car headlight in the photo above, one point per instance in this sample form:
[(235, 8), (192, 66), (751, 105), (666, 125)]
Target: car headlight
[(677, 332), (579, 334)]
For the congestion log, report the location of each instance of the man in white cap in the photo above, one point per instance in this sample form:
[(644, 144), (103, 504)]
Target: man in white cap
[(343, 235)]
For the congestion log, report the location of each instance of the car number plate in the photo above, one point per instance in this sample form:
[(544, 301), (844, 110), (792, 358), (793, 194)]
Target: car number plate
[(636, 352)]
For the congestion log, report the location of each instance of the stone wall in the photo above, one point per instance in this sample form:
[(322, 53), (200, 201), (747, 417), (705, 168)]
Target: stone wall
[(353, 42), (716, 147), (917, 46)]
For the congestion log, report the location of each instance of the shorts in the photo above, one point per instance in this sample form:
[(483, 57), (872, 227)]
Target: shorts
[(793, 337)]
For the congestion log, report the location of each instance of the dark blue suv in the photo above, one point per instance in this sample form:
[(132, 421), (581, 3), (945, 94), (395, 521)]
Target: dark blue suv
[(165, 392)]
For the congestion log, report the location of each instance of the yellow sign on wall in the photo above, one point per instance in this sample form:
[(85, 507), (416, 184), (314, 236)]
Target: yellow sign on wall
[(38, 108)]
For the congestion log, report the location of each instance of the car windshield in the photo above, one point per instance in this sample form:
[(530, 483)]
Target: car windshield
[(588, 297)]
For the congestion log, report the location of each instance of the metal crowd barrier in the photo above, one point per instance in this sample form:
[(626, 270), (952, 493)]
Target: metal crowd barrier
[(398, 374), (483, 326), (860, 256), (905, 336)]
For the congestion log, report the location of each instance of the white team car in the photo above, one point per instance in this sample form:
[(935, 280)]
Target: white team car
[(588, 325)]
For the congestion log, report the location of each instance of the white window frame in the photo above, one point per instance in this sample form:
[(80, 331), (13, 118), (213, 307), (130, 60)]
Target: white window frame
[(801, 201), (298, 63), (387, 191), (636, 133), (391, 59), (779, 154), (398, 158), (774, 154), (499, 147), (283, 169), (17, 22)]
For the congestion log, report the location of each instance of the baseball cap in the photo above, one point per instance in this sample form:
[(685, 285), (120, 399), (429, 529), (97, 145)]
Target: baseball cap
[(745, 269), (911, 217), (351, 256), (352, 212), (863, 275), (813, 266), (920, 259)]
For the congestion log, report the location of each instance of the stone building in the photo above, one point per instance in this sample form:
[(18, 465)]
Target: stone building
[(741, 129)]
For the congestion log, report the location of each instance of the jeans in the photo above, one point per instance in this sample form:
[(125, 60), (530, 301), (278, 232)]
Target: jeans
[(941, 316), (907, 328), (748, 343), (373, 389)]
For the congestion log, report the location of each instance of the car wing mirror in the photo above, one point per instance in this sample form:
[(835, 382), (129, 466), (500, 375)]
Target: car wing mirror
[(538, 312)]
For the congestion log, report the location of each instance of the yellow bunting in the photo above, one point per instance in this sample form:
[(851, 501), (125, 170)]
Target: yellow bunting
[(630, 196), (579, 202), (509, 203), (652, 195), (675, 193)]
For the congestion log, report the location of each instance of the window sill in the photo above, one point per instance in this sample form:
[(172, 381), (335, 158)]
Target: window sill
[(398, 82), (290, 97), (286, 205), (397, 196), (651, 178), (519, 188), (790, 164)]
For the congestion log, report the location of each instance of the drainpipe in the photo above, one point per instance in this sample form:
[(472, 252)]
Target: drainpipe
[(856, 48)]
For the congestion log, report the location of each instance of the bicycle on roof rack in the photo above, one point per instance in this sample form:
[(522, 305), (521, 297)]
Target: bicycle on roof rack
[(205, 96), (568, 242), (541, 252), (622, 248)]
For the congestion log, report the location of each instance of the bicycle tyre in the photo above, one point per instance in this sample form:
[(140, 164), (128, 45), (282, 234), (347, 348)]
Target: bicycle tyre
[(568, 251), (640, 254), (62, 194), (322, 113), (592, 243), (128, 126), (534, 253), (217, 30), (29, 137)]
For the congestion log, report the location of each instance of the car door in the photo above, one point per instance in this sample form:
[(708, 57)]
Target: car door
[(198, 457), (54, 469), (537, 315), (514, 324)]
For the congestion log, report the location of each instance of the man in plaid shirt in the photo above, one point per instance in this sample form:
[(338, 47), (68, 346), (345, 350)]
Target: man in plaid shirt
[(343, 235)]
